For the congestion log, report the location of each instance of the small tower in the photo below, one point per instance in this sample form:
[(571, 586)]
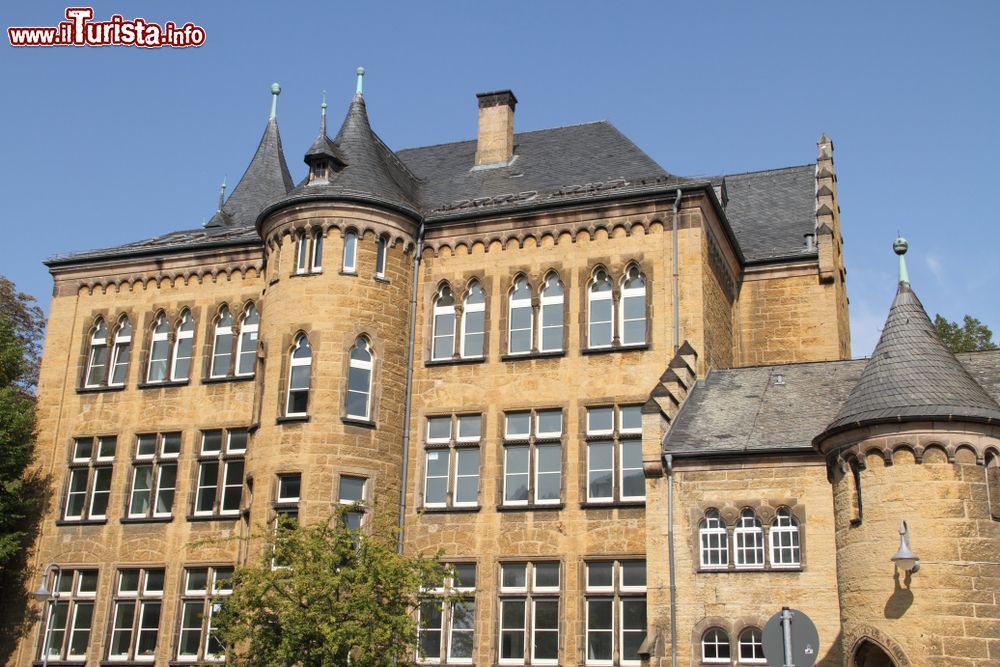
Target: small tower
[(907, 456), (323, 158)]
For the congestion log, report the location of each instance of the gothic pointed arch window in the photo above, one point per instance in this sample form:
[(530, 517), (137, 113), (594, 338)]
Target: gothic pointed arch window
[(749, 539), (121, 352), (246, 351), (473, 322), (784, 540), (632, 323), (159, 350), (550, 330), (299, 375), (222, 344), (183, 348), (520, 318), (600, 311), (359, 380), (443, 337), (97, 359), (714, 541)]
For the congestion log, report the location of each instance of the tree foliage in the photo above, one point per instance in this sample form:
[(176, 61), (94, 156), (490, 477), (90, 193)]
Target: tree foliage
[(970, 336), (340, 597), (26, 323)]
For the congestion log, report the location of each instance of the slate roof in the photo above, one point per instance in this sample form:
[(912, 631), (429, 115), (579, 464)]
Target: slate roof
[(912, 375), (742, 410)]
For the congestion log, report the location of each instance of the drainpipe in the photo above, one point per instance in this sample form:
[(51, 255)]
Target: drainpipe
[(669, 461), (677, 305), (408, 400)]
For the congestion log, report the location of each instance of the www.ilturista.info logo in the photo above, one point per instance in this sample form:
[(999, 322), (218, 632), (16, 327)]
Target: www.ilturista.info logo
[(80, 30)]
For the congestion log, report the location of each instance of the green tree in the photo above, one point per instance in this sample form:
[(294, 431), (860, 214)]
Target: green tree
[(340, 597), (970, 336)]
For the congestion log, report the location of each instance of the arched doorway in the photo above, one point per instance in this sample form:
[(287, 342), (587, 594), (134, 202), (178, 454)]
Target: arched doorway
[(870, 654)]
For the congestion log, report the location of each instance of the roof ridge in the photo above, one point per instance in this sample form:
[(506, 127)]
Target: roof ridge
[(769, 171), (516, 134)]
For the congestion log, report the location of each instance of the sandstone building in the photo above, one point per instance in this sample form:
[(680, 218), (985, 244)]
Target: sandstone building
[(620, 400)]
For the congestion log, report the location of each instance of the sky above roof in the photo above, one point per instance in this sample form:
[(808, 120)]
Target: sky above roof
[(103, 146)]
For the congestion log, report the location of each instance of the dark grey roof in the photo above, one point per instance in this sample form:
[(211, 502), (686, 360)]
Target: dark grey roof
[(191, 239), (266, 177), (742, 410), (912, 375), (772, 211)]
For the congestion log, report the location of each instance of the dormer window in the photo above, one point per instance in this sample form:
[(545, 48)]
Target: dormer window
[(319, 170)]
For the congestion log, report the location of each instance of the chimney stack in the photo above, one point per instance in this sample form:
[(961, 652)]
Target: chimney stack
[(495, 141)]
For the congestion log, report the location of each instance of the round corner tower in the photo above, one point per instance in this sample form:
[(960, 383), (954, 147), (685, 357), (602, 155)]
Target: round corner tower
[(912, 457)]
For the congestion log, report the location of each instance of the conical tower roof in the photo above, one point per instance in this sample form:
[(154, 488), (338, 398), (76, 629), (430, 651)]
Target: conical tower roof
[(265, 179), (912, 375)]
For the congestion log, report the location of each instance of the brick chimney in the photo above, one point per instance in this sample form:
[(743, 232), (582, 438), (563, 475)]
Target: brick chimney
[(495, 141)]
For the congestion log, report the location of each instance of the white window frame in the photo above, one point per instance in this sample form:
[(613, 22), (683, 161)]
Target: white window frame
[(755, 646), (713, 525), (443, 311), (594, 297), (361, 365), (143, 598), (159, 337), (519, 303), (381, 256), (98, 344), (621, 439), (529, 595), (446, 630), (749, 539), (71, 599), (547, 299), (222, 330), (157, 461), (181, 335), (210, 605), (444, 445), (716, 642), (122, 341), (784, 523), (91, 467), (226, 457), (632, 293), (473, 308), (248, 330), (359, 505), (350, 259), (317, 251), (295, 362), (302, 254), (617, 593)]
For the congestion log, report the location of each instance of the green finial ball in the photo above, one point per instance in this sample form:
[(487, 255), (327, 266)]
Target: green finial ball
[(275, 89), (900, 246), (361, 71)]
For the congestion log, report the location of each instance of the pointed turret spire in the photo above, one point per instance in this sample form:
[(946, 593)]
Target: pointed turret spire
[(361, 76), (275, 91), (322, 151), (222, 195), (912, 375), (322, 116)]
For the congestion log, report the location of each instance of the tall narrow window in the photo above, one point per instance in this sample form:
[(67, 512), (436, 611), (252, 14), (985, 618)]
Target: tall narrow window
[(715, 646), (66, 626), (533, 457), (443, 343), (714, 543), (600, 311), (286, 514), (154, 475), (199, 603), (614, 454), (633, 308), (302, 256), (350, 252), (529, 613), (857, 509), (749, 538), (121, 352), (615, 612), (447, 485), (220, 472), (88, 487), (135, 619), (550, 333), (183, 348), (159, 351), (521, 318), (446, 630), (359, 381), (246, 353), (300, 369), (317, 251), (222, 346), (352, 497), (381, 253), (97, 360), (474, 322), (784, 539)]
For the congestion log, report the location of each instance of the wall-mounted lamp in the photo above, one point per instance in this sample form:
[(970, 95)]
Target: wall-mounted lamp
[(905, 559)]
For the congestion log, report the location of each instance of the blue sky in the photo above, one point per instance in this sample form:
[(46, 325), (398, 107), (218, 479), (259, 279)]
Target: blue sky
[(104, 146)]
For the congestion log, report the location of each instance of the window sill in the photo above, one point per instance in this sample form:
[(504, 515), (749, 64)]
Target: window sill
[(533, 355), (357, 421), (126, 663), (64, 663), (621, 504), (532, 507), (347, 273), (382, 279), (306, 274), (81, 522), (151, 519), (449, 510), (615, 348), (747, 570), (228, 378), (212, 517), (188, 663), (97, 390), (455, 361), (162, 385), (292, 419)]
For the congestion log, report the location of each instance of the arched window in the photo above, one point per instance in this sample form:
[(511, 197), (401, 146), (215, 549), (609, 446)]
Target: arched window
[(550, 332), (633, 308), (474, 322), (521, 318), (317, 251), (359, 381), (97, 360), (159, 351), (222, 345), (350, 252), (300, 368), (381, 250), (857, 509), (714, 541), (600, 311), (443, 345), (993, 484), (121, 352), (715, 646), (183, 348), (752, 647), (246, 351), (784, 538), (302, 257), (749, 538)]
